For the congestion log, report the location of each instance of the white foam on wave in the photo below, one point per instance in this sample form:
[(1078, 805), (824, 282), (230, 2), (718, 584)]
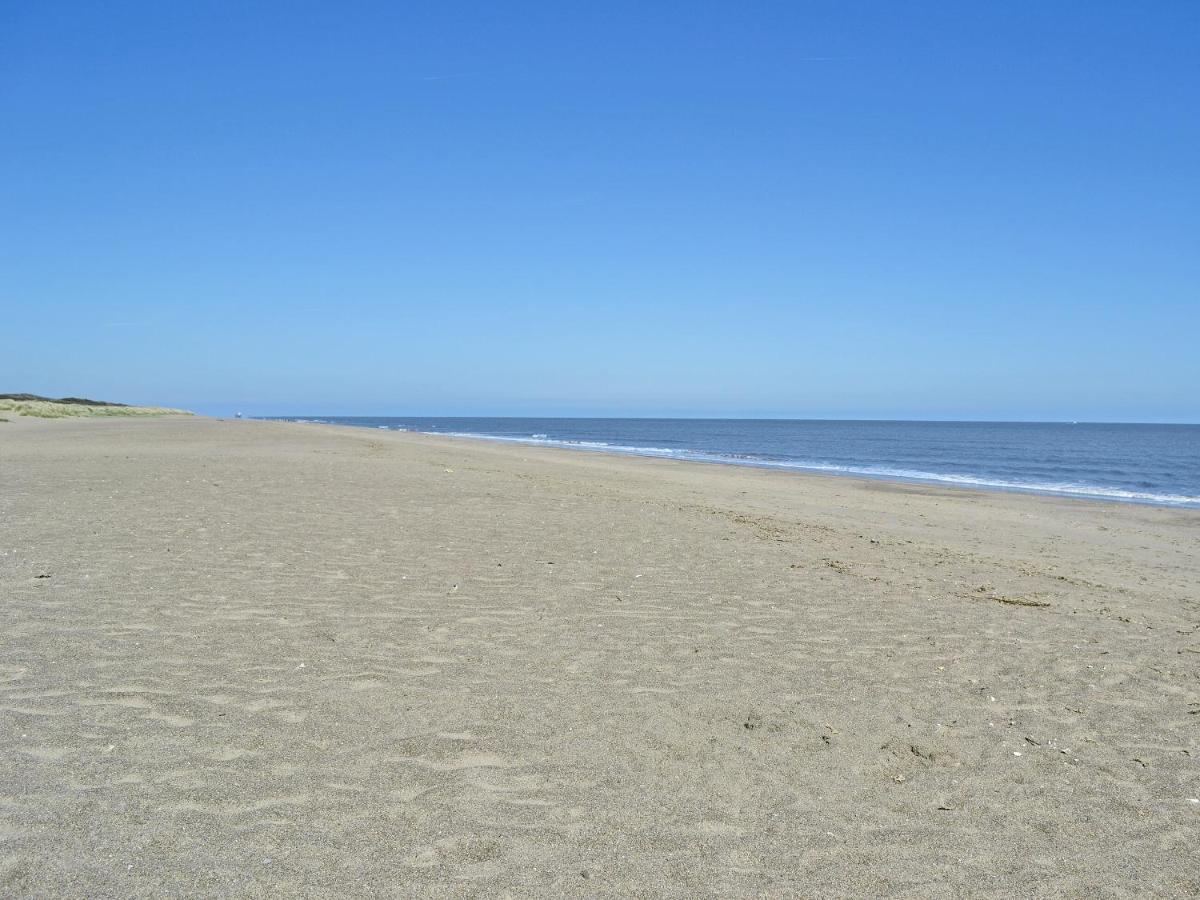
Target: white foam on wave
[(556, 442), (1064, 489), (1074, 489)]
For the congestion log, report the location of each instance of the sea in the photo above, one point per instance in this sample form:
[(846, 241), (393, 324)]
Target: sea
[(1152, 464)]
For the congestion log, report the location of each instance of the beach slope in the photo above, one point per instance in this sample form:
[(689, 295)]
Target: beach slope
[(259, 658)]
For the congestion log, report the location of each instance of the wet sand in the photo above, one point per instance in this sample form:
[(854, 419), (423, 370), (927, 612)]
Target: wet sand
[(272, 659)]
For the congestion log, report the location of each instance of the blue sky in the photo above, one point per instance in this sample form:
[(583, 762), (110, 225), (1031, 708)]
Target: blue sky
[(930, 210)]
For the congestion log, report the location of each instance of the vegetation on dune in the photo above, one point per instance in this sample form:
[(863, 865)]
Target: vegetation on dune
[(76, 401), (74, 407)]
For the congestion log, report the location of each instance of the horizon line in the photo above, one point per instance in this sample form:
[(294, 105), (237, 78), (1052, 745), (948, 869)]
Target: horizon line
[(695, 418)]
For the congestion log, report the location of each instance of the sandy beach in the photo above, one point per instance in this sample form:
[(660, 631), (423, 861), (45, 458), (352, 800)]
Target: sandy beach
[(270, 659)]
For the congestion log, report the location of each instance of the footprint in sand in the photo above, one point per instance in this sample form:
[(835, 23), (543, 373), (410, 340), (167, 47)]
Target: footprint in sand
[(47, 754), (721, 829), (170, 720), (230, 754), (474, 760)]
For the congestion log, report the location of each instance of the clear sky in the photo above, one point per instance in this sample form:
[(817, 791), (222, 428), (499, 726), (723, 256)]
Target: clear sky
[(874, 209)]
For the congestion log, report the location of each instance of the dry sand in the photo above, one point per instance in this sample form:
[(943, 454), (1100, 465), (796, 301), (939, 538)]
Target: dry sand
[(252, 659)]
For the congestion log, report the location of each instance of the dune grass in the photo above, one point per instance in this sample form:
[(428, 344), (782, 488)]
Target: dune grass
[(49, 409)]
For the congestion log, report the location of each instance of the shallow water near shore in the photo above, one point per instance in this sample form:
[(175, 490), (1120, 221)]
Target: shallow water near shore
[(1155, 464)]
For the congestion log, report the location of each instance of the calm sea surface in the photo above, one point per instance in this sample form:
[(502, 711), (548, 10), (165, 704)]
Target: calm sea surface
[(1157, 464)]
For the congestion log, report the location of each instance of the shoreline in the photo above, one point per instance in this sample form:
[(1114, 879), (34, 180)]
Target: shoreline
[(1092, 495)]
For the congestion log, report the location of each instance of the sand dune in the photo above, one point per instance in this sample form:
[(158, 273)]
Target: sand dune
[(251, 659)]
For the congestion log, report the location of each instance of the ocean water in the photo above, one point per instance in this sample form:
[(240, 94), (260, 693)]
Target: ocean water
[(1157, 464)]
